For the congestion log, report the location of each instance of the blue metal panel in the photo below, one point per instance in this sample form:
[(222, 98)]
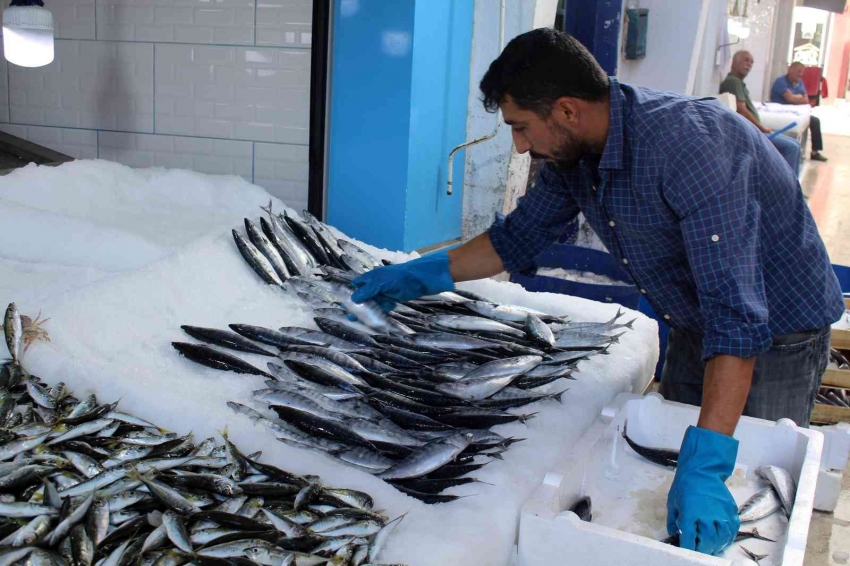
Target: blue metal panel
[(438, 112), (596, 24), (370, 109)]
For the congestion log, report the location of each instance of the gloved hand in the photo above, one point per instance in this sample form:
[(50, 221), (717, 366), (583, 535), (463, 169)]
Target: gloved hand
[(402, 282), (699, 505)]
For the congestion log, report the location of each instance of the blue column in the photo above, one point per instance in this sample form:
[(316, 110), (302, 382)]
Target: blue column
[(399, 92)]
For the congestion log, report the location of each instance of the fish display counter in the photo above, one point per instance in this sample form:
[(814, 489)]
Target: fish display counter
[(202, 307)]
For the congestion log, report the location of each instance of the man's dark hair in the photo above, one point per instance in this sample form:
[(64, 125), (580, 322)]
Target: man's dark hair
[(797, 63), (541, 66)]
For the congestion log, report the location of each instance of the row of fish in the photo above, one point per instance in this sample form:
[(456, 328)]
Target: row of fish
[(410, 397), (838, 360), (84, 483)]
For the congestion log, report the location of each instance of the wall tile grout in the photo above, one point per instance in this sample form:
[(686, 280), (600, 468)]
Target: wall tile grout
[(133, 132), (246, 45)]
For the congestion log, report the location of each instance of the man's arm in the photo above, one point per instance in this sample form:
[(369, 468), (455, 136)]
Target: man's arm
[(476, 259), (724, 393), (745, 112), (792, 98)]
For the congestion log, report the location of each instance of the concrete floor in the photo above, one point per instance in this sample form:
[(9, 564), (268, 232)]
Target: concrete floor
[(827, 187)]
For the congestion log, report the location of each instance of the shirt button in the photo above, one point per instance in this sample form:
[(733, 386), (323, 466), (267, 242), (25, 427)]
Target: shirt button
[(625, 261), (666, 317), (715, 238), (643, 291), (612, 223)]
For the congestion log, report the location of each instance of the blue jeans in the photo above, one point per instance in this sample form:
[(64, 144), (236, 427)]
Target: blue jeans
[(790, 150), (786, 378)]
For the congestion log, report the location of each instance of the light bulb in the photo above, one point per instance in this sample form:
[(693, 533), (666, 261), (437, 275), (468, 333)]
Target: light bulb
[(28, 36)]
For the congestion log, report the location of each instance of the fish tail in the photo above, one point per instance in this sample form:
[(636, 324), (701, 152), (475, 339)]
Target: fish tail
[(525, 418)]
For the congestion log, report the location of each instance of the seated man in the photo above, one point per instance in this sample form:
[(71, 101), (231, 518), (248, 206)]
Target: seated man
[(789, 89), (742, 62)]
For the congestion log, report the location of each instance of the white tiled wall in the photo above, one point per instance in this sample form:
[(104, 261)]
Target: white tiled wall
[(218, 157), (79, 144), (91, 84), (282, 170), (260, 94), (217, 86), (284, 22), (183, 21)]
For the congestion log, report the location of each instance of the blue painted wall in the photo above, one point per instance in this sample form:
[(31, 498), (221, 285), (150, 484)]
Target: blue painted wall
[(399, 90), (438, 115), (370, 86)]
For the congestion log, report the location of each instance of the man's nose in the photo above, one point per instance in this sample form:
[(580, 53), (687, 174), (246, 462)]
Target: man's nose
[(521, 143)]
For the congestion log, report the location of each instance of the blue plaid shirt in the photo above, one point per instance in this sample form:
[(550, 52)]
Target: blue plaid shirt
[(700, 210)]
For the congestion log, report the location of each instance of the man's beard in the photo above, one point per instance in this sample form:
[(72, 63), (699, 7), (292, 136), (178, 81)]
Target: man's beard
[(568, 149)]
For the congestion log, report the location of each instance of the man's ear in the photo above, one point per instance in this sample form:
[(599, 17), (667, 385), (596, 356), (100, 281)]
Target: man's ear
[(566, 110)]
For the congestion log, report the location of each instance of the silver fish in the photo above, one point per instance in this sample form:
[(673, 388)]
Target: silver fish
[(539, 331), (176, 531), (763, 503), (267, 249), (510, 313), (82, 430), (505, 367), (258, 262), (428, 458), (29, 533), (477, 388), (783, 483), (72, 519), (98, 523), (12, 449), (475, 323), (445, 341), (14, 331)]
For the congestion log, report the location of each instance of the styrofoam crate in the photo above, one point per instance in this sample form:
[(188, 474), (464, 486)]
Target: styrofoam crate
[(836, 449), (629, 493)]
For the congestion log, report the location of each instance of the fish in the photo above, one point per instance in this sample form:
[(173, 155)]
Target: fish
[(225, 339), (256, 260), (783, 483), (538, 331), (660, 456), (762, 504), (583, 508), (216, 359), (263, 244), (13, 331), (428, 458)]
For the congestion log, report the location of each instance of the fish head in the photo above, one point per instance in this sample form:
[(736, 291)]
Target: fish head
[(257, 553)]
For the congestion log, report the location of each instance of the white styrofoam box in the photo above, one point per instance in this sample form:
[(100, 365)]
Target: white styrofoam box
[(256, 94), (836, 449), (630, 492), (73, 19), (285, 22), (4, 86), (79, 144), (183, 21), (283, 171), (216, 157), (91, 84)]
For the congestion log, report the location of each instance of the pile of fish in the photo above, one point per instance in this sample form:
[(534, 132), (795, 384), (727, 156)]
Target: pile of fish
[(838, 360), (833, 396), (83, 483), (409, 397)]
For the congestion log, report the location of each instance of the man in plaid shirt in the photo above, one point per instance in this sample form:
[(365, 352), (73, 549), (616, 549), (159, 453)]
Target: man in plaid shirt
[(703, 213)]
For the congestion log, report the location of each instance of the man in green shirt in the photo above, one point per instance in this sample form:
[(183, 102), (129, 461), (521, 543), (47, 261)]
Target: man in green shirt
[(742, 63)]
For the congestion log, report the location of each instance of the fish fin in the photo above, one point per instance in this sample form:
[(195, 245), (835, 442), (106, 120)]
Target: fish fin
[(557, 396), (524, 418), (267, 210), (629, 324)]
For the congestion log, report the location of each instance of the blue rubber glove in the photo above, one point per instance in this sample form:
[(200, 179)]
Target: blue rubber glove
[(402, 282), (699, 505)]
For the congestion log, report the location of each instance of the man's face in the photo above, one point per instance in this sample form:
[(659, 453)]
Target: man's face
[(742, 64), (795, 72), (549, 138)]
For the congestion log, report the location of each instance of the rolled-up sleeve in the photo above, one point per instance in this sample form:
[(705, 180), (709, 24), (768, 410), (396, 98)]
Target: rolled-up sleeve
[(538, 220), (709, 183)]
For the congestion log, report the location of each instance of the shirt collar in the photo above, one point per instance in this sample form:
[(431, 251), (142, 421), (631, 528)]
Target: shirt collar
[(612, 157)]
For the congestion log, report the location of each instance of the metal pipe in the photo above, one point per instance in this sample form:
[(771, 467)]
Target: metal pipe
[(498, 113)]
